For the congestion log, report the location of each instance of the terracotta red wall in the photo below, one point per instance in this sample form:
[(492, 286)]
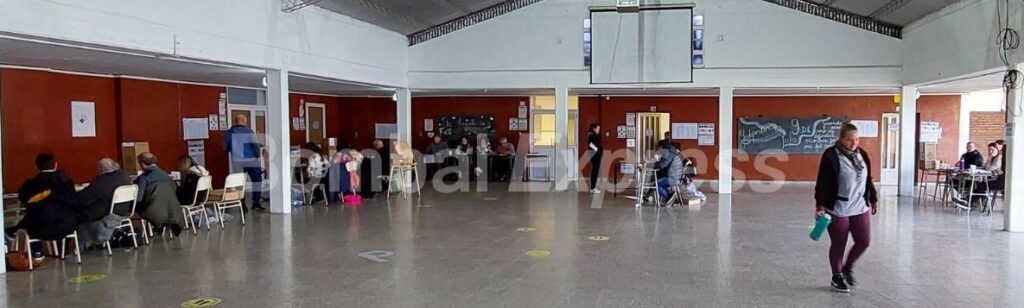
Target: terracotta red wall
[(501, 108), (944, 109), (36, 119), (331, 114), (152, 111), (357, 116), (610, 112)]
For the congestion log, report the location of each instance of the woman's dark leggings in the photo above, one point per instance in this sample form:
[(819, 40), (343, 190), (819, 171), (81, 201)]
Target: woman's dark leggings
[(595, 170), (841, 229)]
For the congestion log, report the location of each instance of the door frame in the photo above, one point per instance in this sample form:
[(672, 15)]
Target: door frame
[(252, 110), (550, 150), (323, 119), (892, 176)]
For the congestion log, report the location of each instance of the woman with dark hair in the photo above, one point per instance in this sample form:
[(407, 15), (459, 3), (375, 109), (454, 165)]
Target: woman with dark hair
[(190, 174), (844, 190), (594, 146)]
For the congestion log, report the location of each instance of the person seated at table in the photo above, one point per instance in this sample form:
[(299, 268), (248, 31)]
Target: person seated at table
[(191, 172), (995, 165), (972, 157), (158, 199), (371, 175), (505, 152), (47, 199), (316, 167), (94, 202), (437, 147), (670, 169), (464, 153)]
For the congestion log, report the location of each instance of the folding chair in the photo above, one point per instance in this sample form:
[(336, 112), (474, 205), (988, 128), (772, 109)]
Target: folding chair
[(53, 246), (234, 191), (125, 194), (198, 205)]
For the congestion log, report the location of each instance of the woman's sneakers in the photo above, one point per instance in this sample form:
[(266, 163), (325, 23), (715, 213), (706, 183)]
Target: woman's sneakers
[(839, 284), (848, 275)]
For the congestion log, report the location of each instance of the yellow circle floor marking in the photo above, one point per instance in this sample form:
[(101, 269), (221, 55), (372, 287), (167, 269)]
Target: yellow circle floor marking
[(201, 302), (424, 205), (86, 278), (538, 253), (598, 238), (526, 229), (490, 198)]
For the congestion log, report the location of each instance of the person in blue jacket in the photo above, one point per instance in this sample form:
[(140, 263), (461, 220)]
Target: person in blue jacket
[(244, 148)]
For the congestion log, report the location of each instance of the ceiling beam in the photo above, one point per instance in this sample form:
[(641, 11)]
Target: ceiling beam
[(845, 17), (888, 8), (453, 25), (289, 6)]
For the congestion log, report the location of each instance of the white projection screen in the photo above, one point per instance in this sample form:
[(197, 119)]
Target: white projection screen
[(652, 46)]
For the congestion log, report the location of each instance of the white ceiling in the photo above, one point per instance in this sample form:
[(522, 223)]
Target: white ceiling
[(905, 12), (51, 55), (406, 16)]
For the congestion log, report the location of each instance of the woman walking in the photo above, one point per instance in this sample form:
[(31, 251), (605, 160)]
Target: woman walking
[(594, 145), (844, 190)]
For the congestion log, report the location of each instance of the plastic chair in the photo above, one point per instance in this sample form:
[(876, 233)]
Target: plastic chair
[(198, 205), (125, 194), (53, 246), (234, 191)]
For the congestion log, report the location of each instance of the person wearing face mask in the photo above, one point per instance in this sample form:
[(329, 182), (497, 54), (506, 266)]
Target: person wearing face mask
[(845, 191)]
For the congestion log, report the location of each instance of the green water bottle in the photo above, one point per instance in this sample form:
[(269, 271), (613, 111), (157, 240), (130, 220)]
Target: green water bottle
[(820, 225)]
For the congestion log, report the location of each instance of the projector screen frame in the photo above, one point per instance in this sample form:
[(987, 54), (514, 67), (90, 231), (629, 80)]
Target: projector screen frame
[(674, 6)]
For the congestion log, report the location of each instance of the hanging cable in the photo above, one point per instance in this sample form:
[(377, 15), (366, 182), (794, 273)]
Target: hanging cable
[(1008, 40)]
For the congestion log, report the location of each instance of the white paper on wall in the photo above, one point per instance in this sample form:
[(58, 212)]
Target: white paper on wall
[(83, 119), (931, 132), (195, 128), (197, 151), (428, 124), (866, 128), (685, 131), (213, 122), (706, 134)]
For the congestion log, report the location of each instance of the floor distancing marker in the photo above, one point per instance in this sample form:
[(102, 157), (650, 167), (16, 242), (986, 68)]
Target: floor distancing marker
[(597, 238), (201, 302), (526, 229), (86, 278), (538, 253), (490, 198)]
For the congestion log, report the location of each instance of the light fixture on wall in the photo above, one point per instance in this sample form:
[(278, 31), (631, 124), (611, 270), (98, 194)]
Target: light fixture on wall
[(394, 97), (264, 81)]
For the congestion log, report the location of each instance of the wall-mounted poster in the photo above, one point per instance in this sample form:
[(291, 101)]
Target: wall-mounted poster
[(195, 128), (620, 132), (197, 151), (523, 110), (223, 121), (706, 134), (931, 132), (428, 125), (685, 131), (630, 143), (513, 124), (630, 119), (790, 135), (213, 122), (524, 124), (83, 119), (866, 128)]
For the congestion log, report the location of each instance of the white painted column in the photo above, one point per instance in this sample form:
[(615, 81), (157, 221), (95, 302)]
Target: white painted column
[(403, 102), (562, 155), (1014, 188), (908, 137), (725, 133), (279, 142)]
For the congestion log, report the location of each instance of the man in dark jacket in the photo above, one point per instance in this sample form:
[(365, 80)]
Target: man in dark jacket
[(375, 164), (972, 157), (158, 197), (49, 214), (240, 141), (93, 202)]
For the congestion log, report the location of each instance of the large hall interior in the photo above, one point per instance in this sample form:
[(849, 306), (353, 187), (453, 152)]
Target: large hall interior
[(494, 153)]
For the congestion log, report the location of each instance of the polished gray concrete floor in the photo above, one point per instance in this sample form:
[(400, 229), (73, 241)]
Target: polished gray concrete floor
[(463, 250)]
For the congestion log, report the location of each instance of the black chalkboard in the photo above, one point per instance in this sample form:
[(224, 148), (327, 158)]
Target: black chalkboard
[(789, 135), (453, 128)]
